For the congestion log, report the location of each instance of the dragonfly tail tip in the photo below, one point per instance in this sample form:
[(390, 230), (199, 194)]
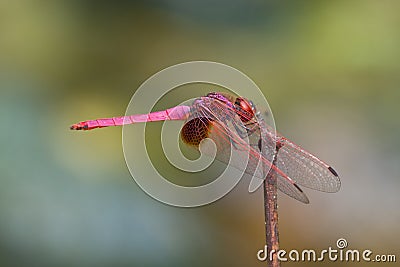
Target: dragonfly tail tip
[(77, 127)]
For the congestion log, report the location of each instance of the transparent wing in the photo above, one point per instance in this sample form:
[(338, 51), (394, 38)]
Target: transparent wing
[(305, 168), (290, 189), (258, 166)]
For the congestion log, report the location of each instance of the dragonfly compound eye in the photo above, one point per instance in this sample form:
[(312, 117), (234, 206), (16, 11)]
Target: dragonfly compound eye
[(196, 130), (244, 109)]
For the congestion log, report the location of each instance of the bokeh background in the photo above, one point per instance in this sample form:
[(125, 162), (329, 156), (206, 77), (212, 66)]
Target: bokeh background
[(329, 69)]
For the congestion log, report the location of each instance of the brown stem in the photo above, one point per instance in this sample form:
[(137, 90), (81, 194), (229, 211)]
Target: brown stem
[(271, 217)]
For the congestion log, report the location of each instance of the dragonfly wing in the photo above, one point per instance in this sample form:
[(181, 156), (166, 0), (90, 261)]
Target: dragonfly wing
[(285, 186), (306, 169), (236, 152), (257, 166)]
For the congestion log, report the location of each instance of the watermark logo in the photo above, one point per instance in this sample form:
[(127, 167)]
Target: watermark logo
[(340, 253)]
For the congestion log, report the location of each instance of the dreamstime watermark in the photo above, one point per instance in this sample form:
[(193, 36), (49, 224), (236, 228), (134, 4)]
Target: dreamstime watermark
[(137, 158), (340, 253)]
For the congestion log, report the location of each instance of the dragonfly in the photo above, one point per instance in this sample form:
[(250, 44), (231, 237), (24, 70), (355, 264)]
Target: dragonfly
[(235, 125)]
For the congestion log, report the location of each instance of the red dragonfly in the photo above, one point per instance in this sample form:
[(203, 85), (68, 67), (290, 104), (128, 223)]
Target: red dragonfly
[(234, 123)]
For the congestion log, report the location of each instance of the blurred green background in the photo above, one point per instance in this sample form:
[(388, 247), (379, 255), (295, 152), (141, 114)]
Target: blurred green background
[(330, 71)]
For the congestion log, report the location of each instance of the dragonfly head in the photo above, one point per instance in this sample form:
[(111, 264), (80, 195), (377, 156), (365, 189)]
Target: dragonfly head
[(245, 109)]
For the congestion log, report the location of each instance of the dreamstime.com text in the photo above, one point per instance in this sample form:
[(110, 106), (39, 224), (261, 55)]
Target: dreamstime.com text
[(332, 254)]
